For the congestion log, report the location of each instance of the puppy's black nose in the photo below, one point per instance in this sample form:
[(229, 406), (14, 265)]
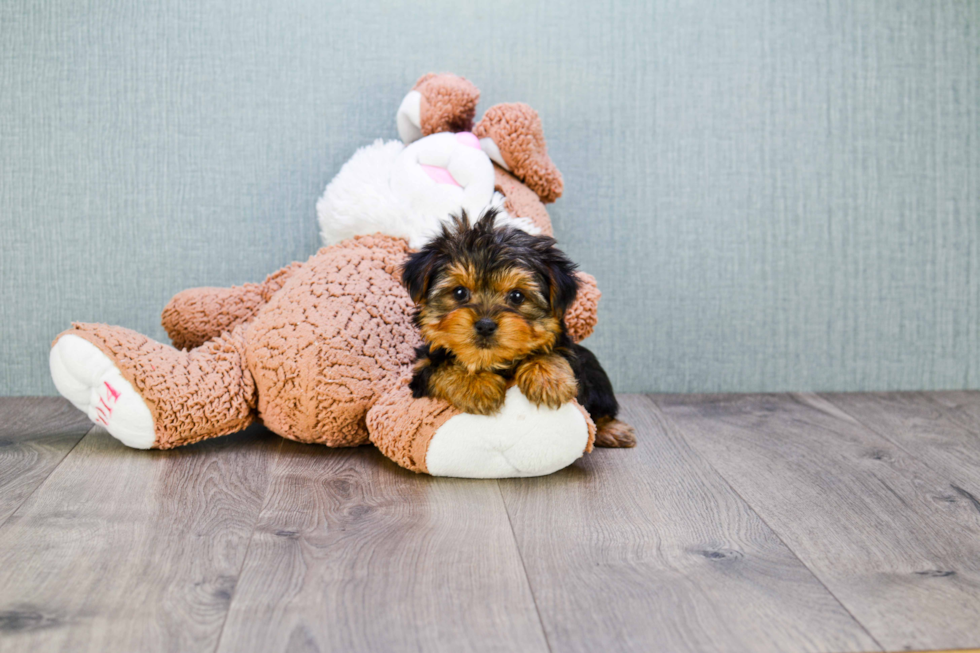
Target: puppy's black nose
[(485, 326)]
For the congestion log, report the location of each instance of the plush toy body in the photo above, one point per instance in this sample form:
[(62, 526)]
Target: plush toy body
[(321, 351)]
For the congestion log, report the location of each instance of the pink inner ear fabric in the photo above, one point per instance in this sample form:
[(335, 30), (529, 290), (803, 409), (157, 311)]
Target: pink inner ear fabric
[(439, 175), (468, 138)]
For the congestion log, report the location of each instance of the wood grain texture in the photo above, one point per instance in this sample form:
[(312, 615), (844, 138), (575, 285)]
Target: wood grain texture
[(739, 523), (355, 554), (35, 435), (960, 405), (125, 550), (942, 429), (649, 549), (872, 521)]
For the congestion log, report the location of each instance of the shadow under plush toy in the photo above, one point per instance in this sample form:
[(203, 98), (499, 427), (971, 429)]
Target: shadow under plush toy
[(322, 351)]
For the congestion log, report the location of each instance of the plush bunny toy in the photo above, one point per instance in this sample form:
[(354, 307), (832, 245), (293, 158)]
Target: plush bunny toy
[(321, 351)]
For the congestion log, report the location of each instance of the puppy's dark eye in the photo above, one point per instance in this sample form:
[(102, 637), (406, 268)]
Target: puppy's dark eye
[(461, 294), (515, 297)]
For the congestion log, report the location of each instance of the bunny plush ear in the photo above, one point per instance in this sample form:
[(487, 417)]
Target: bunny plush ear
[(516, 142), (437, 103)]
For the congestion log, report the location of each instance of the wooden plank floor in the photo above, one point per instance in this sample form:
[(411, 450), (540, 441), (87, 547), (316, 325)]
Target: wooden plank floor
[(739, 523)]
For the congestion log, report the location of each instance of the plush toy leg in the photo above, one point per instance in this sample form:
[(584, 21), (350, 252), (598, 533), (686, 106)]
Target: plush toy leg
[(89, 380), (197, 315), (430, 436), (150, 395)]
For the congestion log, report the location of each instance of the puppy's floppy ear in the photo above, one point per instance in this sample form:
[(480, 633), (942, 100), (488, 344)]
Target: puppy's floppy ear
[(562, 282), (418, 271), (564, 285), (422, 266)]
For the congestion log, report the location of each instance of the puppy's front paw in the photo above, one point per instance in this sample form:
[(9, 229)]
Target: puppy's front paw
[(482, 393), (547, 380)]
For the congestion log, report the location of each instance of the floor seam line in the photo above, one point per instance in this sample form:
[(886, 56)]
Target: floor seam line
[(767, 525), (248, 547), (527, 577)]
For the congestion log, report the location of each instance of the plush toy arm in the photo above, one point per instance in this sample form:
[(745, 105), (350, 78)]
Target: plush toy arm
[(429, 436), (581, 318), (197, 315), (437, 103)]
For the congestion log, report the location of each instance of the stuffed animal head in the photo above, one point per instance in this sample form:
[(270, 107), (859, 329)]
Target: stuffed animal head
[(444, 164)]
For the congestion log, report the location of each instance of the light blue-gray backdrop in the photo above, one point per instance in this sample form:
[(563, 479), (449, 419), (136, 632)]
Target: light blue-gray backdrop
[(773, 194)]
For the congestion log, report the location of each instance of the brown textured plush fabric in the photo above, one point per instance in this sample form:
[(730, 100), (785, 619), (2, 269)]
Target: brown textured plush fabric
[(312, 361), (448, 103), (192, 395), (516, 129), (332, 340), (582, 315), (590, 444), (402, 426), (196, 315)]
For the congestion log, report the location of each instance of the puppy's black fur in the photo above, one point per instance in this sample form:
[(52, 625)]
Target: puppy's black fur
[(595, 390), (437, 358)]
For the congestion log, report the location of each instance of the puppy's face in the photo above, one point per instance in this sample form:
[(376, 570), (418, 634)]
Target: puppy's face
[(487, 318), (490, 296)]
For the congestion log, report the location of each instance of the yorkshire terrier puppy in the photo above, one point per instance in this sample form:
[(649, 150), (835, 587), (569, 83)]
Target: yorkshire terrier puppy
[(491, 303)]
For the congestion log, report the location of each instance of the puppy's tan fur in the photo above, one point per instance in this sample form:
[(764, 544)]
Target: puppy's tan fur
[(481, 392)]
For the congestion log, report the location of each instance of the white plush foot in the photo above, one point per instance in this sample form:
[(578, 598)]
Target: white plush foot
[(88, 379), (521, 440)]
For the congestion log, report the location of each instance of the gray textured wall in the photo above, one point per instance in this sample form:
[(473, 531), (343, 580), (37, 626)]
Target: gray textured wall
[(773, 194)]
